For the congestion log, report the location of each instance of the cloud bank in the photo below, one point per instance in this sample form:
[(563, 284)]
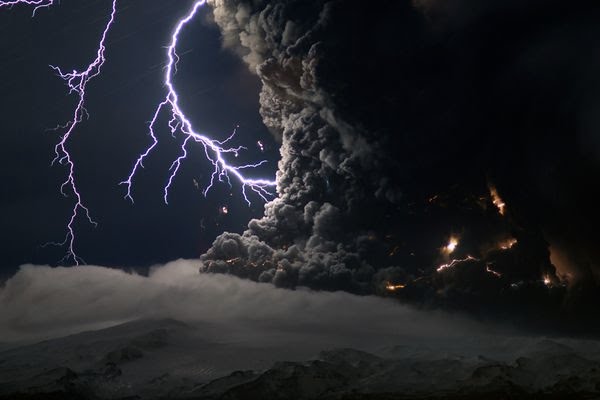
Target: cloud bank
[(41, 302)]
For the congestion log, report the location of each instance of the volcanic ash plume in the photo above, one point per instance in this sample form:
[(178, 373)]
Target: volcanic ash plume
[(393, 178)]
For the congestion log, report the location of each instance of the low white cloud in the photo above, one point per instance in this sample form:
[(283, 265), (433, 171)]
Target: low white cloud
[(41, 302)]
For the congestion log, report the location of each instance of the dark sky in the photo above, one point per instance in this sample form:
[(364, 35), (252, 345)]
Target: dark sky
[(217, 92)]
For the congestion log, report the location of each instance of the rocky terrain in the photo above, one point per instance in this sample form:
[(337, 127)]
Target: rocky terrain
[(169, 359)]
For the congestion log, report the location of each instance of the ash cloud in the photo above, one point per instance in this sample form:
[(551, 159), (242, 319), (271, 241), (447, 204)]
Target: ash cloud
[(395, 119)]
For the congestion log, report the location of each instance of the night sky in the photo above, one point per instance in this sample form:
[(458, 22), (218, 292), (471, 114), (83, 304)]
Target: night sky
[(217, 91)]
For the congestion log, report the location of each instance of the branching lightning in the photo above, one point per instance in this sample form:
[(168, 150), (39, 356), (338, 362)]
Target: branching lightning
[(36, 3), (214, 150), (77, 82), (453, 263)]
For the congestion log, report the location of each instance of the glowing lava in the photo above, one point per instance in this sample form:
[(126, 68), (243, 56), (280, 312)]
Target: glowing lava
[(507, 244), (497, 200), (392, 288), (214, 150)]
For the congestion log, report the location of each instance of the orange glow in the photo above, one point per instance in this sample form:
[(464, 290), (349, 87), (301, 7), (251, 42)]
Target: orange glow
[(547, 280), (451, 246), (566, 271), (507, 244), (392, 288), (497, 200)]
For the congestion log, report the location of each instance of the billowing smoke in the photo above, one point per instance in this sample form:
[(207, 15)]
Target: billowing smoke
[(430, 150)]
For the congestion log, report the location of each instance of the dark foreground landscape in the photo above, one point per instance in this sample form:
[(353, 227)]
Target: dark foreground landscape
[(167, 359)]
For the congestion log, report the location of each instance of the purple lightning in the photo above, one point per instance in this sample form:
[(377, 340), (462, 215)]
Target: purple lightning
[(214, 150), (37, 3), (77, 83)]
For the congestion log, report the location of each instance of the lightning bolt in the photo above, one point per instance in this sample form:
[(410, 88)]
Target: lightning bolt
[(214, 150), (36, 3), (77, 82), (454, 262)]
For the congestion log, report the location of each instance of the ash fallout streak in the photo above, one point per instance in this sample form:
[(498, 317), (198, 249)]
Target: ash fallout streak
[(213, 149)]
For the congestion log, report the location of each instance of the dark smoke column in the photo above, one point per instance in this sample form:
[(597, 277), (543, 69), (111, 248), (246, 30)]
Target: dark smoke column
[(398, 138), (334, 193)]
